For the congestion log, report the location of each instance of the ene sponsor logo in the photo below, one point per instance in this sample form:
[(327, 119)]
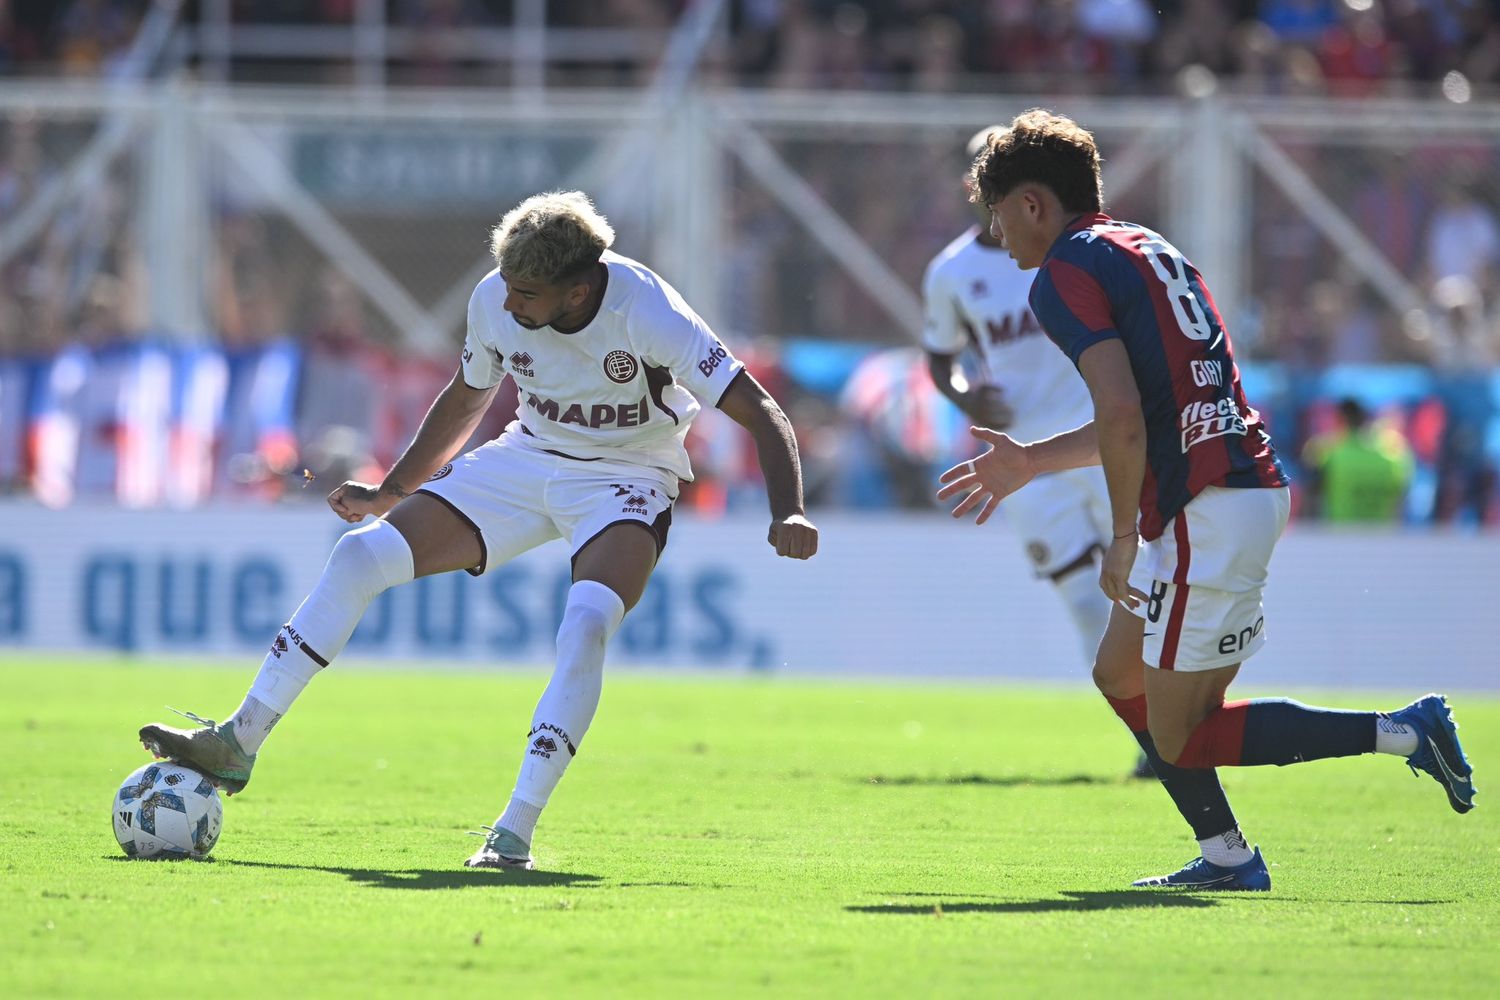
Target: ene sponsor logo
[(598, 414), (1202, 421), (1236, 642), (1206, 373), (715, 358)]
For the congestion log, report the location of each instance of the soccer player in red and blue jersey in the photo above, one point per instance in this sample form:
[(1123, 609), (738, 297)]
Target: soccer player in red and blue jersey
[(1197, 494)]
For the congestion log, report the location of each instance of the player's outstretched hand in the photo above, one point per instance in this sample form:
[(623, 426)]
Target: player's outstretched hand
[(794, 537), (1004, 468), (355, 501)]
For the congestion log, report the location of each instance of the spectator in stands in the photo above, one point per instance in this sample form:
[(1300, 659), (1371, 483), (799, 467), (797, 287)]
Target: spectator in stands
[(15, 397), (1357, 54), (336, 406), (1299, 21), (256, 450), (1463, 236), (1391, 204), (1465, 334), (93, 35), (1359, 471)]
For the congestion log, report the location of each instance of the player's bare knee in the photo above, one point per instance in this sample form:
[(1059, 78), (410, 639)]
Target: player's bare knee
[(1117, 675)]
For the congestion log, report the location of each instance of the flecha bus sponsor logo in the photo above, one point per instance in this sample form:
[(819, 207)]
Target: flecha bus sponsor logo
[(1201, 421)]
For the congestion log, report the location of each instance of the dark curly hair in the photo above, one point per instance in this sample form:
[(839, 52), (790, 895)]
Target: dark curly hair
[(1043, 148)]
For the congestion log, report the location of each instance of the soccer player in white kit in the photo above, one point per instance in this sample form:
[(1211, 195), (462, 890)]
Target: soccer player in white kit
[(975, 298), (610, 363)]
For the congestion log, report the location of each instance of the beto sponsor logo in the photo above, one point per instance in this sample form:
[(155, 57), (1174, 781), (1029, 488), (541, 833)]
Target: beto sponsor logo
[(620, 366), (715, 358), (1236, 642), (439, 474), (1202, 421), (521, 362), (598, 415)]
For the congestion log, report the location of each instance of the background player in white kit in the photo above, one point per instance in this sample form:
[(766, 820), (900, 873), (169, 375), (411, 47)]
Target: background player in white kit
[(975, 298), (608, 359)]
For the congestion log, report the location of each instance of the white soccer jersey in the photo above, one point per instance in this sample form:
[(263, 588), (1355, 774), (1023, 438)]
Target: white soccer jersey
[(622, 387), (975, 296)]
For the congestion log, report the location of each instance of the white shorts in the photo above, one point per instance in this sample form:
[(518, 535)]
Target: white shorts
[(515, 496), (1205, 576), (1059, 517)]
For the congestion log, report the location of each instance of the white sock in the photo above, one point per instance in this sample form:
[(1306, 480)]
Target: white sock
[(1087, 606), (252, 722), (1226, 849), (1394, 737), (363, 565), (567, 707), (520, 819)]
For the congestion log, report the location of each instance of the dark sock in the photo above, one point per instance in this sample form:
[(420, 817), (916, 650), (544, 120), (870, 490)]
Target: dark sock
[(1277, 731), (1195, 791)]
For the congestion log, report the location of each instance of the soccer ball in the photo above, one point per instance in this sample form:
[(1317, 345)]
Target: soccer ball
[(165, 810)]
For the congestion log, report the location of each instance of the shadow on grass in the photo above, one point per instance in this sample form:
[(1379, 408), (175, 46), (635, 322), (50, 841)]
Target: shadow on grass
[(424, 878), (995, 780), (1076, 902)]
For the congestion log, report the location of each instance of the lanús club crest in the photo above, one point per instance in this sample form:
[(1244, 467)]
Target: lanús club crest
[(620, 366)]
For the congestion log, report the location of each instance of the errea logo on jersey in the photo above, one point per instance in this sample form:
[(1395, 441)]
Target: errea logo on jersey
[(715, 358), (1205, 420), (521, 362)]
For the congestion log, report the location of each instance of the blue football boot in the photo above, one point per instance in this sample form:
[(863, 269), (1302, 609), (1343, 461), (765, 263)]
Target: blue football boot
[(1438, 751), (1201, 873)]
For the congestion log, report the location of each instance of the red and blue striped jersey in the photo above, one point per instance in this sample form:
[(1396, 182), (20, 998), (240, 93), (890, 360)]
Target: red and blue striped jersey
[(1104, 279)]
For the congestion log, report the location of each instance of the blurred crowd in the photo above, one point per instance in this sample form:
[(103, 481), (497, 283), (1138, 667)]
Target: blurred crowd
[(298, 382), (1148, 46)]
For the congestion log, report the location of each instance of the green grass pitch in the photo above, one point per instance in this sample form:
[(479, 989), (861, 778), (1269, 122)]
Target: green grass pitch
[(720, 836)]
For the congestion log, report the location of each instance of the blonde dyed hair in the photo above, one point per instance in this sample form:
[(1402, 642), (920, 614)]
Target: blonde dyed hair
[(551, 238)]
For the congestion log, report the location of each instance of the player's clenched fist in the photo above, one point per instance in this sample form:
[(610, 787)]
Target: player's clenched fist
[(355, 501), (795, 537)]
